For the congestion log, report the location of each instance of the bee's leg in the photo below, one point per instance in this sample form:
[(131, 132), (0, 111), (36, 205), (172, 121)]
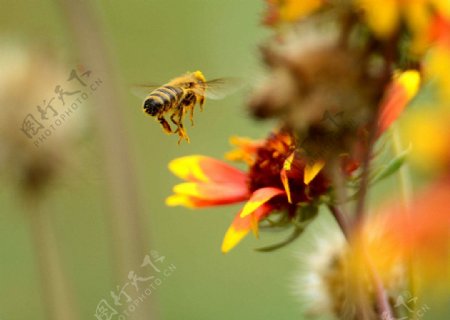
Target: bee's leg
[(191, 114), (177, 118), (165, 125), (201, 102), (189, 103), (172, 118)]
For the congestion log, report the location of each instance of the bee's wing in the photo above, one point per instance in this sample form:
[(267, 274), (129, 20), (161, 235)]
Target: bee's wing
[(220, 88), (143, 90)]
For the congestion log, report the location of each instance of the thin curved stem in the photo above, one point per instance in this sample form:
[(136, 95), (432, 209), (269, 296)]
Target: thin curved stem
[(406, 192), (341, 220), (129, 239), (56, 294)]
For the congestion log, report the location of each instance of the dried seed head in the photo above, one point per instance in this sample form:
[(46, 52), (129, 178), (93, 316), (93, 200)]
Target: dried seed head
[(28, 79), (322, 90), (325, 285), (330, 274)]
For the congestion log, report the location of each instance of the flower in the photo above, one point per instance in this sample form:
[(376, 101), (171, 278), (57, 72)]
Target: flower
[(418, 231), (426, 128), (428, 133), (402, 89), (386, 16), (279, 11), (278, 180)]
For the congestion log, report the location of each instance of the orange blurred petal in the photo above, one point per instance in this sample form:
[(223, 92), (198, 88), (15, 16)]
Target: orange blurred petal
[(241, 226), (259, 198), (440, 30), (400, 92), (420, 232), (246, 149)]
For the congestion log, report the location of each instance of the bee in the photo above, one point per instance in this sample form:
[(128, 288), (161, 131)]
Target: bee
[(180, 96)]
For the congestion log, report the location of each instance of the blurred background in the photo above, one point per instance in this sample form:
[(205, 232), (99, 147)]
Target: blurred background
[(151, 42)]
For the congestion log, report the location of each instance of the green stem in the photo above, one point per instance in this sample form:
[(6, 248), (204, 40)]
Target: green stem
[(341, 220), (129, 239), (56, 294), (405, 183)]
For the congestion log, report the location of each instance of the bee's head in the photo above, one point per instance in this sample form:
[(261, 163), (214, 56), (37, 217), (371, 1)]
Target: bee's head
[(199, 77), (151, 107)]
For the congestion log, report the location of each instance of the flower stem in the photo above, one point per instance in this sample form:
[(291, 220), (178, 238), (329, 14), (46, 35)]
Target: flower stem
[(341, 220), (406, 192), (129, 240), (384, 308), (57, 298)]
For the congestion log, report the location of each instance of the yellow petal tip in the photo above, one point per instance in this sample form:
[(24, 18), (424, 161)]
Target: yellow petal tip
[(312, 170), (232, 238), (250, 207)]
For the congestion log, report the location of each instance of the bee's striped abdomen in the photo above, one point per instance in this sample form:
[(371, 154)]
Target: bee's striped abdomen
[(168, 96), (162, 100)]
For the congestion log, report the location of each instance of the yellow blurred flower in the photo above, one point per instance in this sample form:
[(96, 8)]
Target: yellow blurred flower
[(385, 17), (419, 231), (436, 69), (427, 127), (279, 11), (428, 132)]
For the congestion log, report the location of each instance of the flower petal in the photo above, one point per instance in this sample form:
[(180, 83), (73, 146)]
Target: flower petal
[(199, 168), (192, 194), (419, 231), (312, 170), (186, 201), (241, 226), (245, 151), (401, 91), (383, 16), (259, 198), (213, 191), (284, 175), (293, 10)]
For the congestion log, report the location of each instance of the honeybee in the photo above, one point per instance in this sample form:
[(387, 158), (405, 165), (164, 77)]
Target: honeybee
[(179, 96)]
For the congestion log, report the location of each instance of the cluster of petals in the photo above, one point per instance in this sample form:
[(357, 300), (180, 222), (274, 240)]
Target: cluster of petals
[(275, 169)]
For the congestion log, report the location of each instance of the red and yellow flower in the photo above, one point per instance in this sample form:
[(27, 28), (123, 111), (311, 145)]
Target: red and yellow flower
[(278, 180), (278, 177)]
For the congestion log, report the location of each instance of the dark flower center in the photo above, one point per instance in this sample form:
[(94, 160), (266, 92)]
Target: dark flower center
[(269, 162)]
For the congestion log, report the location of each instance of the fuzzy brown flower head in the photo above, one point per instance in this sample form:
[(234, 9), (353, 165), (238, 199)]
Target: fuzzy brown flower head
[(28, 79), (324, 93)]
